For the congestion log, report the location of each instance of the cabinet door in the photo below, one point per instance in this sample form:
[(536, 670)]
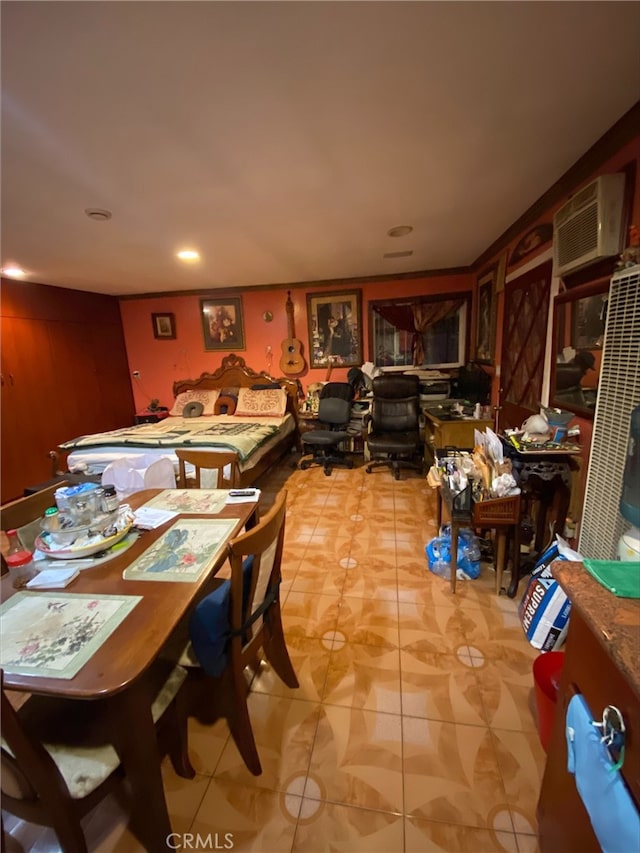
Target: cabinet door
[(112, 370), (72, 347), (28, 399)]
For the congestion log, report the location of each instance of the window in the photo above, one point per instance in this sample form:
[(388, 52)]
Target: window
[(443, 338)]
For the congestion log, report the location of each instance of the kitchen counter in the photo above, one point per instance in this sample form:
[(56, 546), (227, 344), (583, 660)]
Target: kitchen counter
[(602, 662), (614, 621)]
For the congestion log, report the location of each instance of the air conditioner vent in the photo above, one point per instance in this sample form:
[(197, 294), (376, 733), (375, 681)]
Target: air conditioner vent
[(589, 226)]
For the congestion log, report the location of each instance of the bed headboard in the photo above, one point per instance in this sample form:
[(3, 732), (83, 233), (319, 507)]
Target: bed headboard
[(234, 373)]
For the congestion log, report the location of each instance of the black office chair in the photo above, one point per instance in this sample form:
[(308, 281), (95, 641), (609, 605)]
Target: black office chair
[(393, 424), (334, 413)]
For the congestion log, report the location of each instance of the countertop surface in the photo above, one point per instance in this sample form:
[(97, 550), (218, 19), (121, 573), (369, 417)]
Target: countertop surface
[(614, 621)]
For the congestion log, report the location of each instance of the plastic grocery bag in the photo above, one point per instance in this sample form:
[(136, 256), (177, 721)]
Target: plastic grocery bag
[(438, 553), (133, 475), (545, 608)]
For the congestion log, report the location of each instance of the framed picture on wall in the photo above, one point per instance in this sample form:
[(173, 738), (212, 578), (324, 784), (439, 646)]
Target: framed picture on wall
[(335, 328), (222, 323), (486, 316), (164, 326)]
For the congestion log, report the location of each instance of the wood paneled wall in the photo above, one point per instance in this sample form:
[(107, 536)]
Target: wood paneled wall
[(64, 373)]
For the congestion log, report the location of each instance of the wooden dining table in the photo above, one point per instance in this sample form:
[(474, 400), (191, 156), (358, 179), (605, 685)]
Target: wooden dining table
[(115, 672)]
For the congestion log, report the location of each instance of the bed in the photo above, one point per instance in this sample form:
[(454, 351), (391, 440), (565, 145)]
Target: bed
[(242, 410)]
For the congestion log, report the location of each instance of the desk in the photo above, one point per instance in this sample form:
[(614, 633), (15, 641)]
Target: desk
[(499, 514), (115, 671), (545, 478), (458, 432)]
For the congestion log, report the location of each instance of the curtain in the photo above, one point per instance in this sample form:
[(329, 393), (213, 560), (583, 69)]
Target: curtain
[(417, 317)]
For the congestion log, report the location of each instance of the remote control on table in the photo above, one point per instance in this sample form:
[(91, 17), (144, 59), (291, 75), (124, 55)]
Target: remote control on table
[(242, 493)]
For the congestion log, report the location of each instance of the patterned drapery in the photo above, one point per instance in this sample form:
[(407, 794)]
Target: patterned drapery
[(417, 317)]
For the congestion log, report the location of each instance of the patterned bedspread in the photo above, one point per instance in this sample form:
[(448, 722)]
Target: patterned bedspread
[(245, 437)]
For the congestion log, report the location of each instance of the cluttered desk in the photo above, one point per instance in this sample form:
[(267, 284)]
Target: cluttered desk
[(503, 482)]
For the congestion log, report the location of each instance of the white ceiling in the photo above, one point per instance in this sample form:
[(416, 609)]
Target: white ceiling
[(283, 140)]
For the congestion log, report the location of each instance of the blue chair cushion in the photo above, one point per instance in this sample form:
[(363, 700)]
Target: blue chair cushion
[(210, 625)]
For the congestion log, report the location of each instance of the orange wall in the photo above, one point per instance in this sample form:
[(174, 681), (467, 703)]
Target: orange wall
[(161, 362)]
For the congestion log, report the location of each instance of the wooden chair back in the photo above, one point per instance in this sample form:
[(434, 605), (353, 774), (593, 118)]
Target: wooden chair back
[(22, 511), (33, 786), (255, 617), (209, 460)]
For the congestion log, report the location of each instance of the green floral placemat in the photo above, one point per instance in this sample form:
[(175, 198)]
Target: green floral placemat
[(186, 550), (53, 634), (193, 501), (620, 578)]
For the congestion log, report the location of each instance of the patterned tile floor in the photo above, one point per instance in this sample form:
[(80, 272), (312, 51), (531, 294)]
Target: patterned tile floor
[(412, 729)]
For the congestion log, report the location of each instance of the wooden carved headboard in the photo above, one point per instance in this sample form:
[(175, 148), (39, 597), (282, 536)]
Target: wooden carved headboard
[(234, 373)]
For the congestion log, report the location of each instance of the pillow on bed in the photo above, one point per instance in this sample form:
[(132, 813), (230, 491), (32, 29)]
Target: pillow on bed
[(268, 403), (192, 409), (207, 398), (225, 405)]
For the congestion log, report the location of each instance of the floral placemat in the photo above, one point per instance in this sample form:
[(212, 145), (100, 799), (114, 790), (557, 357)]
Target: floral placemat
[(193, 501), (53, 635), (186, 550)]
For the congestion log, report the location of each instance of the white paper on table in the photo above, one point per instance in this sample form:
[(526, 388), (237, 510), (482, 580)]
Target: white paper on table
[(52, 579), (148, 518)]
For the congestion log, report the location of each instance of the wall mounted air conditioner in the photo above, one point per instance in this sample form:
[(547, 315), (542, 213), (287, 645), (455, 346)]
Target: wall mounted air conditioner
[(589, 226)]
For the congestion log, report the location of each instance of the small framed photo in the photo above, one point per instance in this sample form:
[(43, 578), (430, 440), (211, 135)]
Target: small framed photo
[(164, 326), (486, 316), (335, 328), (222, 324)]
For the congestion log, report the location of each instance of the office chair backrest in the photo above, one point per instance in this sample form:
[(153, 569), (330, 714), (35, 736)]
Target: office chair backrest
[(209, 460), (335, 403), (395, 403)]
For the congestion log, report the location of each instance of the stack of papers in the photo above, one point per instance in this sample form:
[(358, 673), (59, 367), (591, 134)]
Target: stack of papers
[(53, 578), (147, 518)]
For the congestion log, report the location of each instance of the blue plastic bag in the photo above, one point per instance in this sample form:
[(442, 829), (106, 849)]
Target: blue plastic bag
[(438, 553)]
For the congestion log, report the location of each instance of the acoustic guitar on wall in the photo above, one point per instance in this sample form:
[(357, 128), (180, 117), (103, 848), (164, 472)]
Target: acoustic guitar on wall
[(291, 361)]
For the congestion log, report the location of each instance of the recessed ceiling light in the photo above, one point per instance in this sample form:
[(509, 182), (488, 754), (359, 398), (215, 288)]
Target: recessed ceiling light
[(400, 231), (13, 272), (398, 254), (98, 214), (188, 255)]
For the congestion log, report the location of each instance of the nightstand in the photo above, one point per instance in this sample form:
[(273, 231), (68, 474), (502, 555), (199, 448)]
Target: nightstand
[(147, 417)]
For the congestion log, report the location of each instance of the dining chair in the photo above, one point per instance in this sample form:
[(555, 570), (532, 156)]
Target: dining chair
[(58, 762), (225, 464), (230, 626), (25, 513)]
